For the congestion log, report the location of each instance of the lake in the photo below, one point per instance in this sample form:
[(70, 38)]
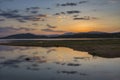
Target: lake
[(55, 63)]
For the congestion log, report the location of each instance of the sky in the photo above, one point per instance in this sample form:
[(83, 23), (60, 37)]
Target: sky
[(58, 16)]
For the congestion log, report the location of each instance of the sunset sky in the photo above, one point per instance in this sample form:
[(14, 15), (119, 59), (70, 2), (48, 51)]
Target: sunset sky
[(58, 16)]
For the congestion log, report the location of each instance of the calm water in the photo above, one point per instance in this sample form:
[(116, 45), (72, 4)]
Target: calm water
[(55, 63)]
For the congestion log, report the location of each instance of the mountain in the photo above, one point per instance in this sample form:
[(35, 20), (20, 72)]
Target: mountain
[(24, 36), (96, 32), (92, 34), (69, 33)]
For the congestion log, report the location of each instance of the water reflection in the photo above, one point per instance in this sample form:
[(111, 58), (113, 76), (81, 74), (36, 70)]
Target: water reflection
[(64, 63)]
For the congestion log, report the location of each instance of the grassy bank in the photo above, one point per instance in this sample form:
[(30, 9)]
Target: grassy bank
[(104, 48)]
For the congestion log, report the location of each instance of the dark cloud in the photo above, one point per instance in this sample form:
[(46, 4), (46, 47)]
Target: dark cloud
[(13, 14), (32, 8), (50, 26), (67, 4), (31, 17), (34, 12), (51, 30), (57, 14), (68, 12), (61, 13), (75, 15), (72, 3), (41, 15), (10, 15), (9, 11), (48, 8), (73, 12), (85, 18), (35, 7), (26, 29), (82, 2), (82, 18), (21, 20), (13, 11), (38, 17)]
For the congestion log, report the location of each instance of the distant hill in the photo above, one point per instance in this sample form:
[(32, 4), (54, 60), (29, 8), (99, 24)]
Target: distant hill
[(93, 34), (96, 32), (24, 36)]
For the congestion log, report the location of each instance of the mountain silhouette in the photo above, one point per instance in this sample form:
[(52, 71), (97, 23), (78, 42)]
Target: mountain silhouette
[(92, 34)]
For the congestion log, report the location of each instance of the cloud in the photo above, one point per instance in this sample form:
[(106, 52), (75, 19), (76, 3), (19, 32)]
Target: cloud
[(51, 30), (10, 14), (57, 14), (75, 15), (48, 8), (38, 17), (9, 11), (61, 13), (13, 14), (82, 2), (50, 26), (85, 18), (71, 3), (67, 4), (25, 29), (82, 18), (68, 12), (33, 10), (73, 12), (21, 20), (2, 19)]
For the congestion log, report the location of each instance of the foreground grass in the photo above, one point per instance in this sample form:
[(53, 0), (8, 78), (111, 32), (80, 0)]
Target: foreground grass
[(104, 48)]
